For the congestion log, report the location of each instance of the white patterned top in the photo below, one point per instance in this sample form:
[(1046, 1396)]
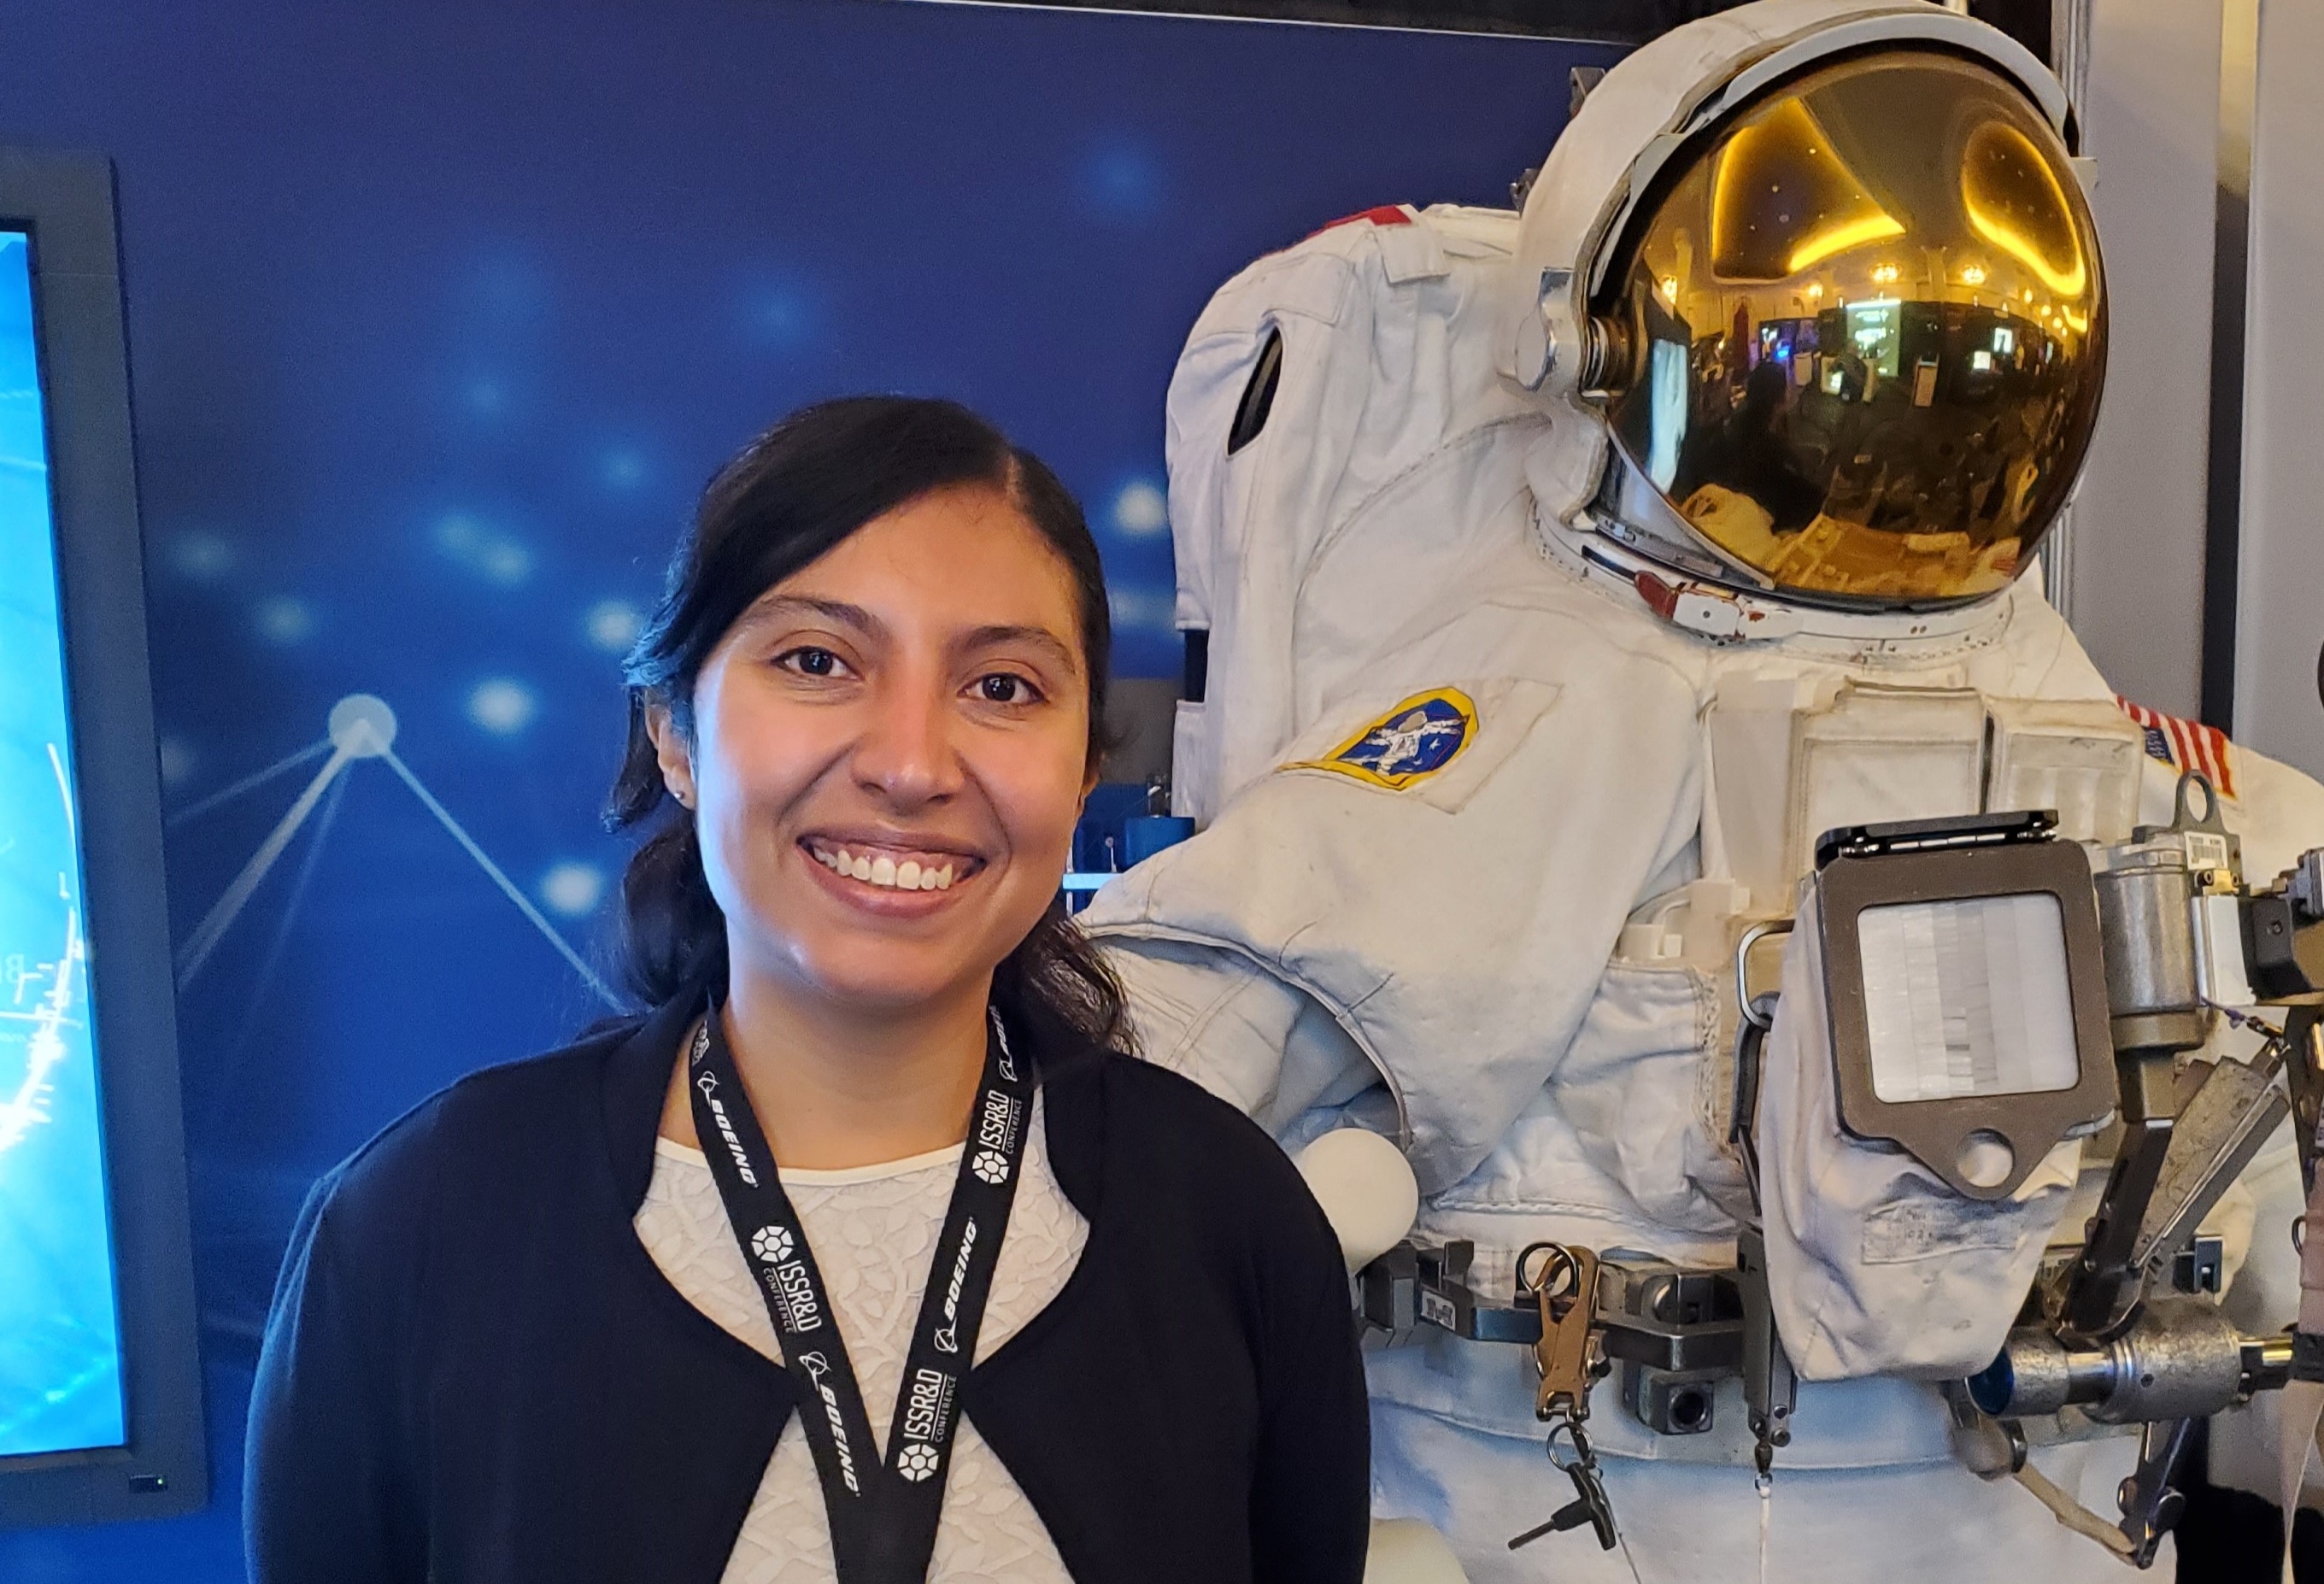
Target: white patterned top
[(873, 1231)]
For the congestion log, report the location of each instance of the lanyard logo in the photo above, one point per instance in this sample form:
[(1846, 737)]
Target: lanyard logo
[(1007, 1059), (818, 1368), (793, 1292), (708, 1084), (928, 1413), (996, 1137), (947, 1336)]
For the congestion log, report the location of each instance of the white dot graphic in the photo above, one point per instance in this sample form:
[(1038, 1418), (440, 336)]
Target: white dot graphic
[(204, 557), (504, 561), (361, 726), (283, 620), (1141, 510), (177, 761), (1142, 607), (491, 553), (613, 625), (503, 706), (573, 888)]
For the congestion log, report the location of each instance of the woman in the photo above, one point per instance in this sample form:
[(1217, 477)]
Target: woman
[(876, 1127)]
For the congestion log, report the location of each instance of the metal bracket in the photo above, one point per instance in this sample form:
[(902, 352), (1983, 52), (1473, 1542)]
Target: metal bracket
[(1770, 1390), (2230, 1117), (1649, 1312), (2150, 1498)]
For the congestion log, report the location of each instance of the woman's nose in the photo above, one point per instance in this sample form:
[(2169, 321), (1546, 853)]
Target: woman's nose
[(906, 754)]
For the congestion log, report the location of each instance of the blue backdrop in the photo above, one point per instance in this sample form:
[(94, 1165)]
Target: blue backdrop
[(439, 315)]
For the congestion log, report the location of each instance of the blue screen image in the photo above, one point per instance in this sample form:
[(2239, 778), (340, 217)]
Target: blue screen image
[(59, 1325)]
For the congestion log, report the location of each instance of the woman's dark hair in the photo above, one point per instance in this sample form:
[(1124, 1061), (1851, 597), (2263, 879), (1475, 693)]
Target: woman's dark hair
[(792, 496)]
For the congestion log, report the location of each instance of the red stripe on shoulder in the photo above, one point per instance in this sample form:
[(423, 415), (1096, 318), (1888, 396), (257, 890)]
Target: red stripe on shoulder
[(1385, 215)]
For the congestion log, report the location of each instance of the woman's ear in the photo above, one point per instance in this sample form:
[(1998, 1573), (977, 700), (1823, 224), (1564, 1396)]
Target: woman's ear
[(1094, 760), (672, 752)]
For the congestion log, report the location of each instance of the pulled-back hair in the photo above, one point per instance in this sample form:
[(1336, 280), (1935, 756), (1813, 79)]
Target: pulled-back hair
[(792, 496)]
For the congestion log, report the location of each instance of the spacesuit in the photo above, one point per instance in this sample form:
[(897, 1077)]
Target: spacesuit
[(1562, 577)]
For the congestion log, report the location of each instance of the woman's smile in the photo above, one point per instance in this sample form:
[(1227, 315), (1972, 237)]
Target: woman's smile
[(891, 875)]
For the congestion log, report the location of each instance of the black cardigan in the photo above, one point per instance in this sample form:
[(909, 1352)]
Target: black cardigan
[(474, 1373)]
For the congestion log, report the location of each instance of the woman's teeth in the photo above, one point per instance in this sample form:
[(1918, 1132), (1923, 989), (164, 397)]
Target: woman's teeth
[(912, 875)]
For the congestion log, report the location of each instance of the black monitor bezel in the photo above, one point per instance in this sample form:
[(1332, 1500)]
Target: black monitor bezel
[(64, 202)]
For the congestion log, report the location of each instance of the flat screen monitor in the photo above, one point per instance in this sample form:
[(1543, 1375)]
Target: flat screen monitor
[(99, 1392)]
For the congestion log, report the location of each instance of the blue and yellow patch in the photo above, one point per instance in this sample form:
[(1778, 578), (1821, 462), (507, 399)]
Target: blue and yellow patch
[(1409, 743)]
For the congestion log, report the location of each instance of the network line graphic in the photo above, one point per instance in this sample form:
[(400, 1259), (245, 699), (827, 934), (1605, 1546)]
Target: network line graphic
[(60, 1368), (361, 727), (52, 1016)]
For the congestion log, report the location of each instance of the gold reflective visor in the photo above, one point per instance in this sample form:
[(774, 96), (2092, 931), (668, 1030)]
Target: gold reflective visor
[(1864, 332)]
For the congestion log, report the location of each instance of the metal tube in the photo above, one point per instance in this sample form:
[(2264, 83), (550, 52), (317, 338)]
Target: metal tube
[(2147, 930), (2267, 1363), (2183, 1359)]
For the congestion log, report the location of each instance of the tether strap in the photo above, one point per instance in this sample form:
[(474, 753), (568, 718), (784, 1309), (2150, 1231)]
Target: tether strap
[(2302, 1408), (884, 1516)]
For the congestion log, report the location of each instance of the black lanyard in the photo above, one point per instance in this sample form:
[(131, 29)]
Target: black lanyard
[(883, 1518)]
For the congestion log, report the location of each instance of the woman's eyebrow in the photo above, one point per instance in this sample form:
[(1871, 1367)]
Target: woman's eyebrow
[(1041, 638), (775, 607)]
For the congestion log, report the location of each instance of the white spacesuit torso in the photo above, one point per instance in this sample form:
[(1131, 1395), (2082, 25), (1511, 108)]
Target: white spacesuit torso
[(1486, 797)]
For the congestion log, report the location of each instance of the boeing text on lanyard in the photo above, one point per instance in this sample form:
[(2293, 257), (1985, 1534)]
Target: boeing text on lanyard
[(883, 1518)]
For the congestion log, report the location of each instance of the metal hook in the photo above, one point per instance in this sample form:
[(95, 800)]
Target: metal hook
[(1557, 1264), (2198, 804), (1752, 1013), (1581, 1455)]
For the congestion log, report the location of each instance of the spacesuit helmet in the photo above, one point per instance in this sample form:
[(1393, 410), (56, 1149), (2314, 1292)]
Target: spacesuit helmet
[(1845, 331)]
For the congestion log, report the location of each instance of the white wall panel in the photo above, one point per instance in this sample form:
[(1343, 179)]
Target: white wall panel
[(2151, 124), (2280, 617)]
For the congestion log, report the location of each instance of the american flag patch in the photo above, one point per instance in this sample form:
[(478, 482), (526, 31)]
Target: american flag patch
[(2186, 745)]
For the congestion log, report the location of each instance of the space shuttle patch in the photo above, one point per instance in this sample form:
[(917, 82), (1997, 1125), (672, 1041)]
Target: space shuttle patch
[(1411, 742), (2186, 745)]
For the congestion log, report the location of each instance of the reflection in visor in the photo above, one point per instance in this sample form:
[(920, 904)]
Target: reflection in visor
[(2012, 198), (1754, 235), (1868, 334)]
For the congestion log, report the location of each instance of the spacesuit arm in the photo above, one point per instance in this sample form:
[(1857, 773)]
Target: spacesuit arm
[(2278, 812), (1452, 924)]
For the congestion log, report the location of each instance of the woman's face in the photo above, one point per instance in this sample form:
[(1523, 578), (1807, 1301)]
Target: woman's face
[(889, 752)]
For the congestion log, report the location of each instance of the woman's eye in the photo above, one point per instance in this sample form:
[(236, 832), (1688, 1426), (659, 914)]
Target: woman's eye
[(810, 661), (1006, 687)]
